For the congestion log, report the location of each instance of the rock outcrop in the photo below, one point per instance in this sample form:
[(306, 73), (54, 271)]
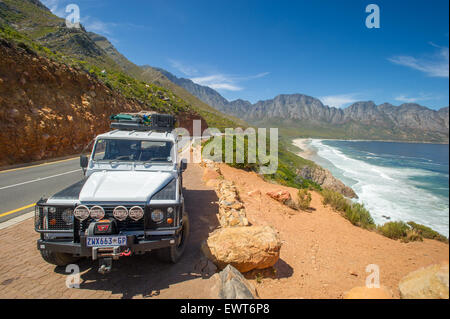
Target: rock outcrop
[(426, 283), (49, 109), (324, 178), (283, 197), (245, 248)]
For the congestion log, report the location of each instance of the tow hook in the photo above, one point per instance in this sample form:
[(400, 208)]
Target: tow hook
[(105, 265), (126, 253)]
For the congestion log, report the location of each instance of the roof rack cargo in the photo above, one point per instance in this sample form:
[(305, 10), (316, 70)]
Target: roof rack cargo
[(143, 121)]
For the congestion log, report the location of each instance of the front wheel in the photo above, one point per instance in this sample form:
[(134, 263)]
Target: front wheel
[(173, 253), (58, 259)]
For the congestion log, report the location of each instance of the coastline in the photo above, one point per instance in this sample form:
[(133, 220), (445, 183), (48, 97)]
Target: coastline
[(311, 154)]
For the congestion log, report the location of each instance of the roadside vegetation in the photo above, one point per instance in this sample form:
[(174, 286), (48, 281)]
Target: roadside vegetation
[(358, 215)]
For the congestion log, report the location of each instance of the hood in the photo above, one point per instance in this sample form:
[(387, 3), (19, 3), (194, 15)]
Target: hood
[(129, 186)]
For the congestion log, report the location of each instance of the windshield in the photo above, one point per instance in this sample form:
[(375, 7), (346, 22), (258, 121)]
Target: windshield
[(133, 150)]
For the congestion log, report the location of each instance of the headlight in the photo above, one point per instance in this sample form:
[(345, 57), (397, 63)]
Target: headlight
[(120, 213), (97, 212), (157, 215), (136, 213), (81, 213), (67, 216), (168, 192)]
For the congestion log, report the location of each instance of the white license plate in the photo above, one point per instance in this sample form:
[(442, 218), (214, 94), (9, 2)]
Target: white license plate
[(106, 241)]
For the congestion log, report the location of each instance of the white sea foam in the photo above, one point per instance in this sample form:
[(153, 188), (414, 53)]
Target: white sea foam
[(388, 191)]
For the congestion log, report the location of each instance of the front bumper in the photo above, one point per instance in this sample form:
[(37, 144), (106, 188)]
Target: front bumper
[(134, 245)]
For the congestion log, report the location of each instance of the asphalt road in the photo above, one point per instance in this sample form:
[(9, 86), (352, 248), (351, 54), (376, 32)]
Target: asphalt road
[(21, 188)]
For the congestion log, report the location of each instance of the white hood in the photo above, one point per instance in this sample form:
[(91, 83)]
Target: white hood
[(130, 186)]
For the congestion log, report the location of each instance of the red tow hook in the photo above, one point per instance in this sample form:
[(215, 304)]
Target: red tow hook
[(125, 253)]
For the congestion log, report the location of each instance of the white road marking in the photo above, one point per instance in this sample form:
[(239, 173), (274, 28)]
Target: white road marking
[(16, 220), (39, 179)]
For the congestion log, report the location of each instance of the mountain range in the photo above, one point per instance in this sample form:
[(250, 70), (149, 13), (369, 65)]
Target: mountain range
[(303, 115)]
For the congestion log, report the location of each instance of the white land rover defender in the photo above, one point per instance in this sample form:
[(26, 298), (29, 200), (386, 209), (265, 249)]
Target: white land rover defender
[(130, 201)]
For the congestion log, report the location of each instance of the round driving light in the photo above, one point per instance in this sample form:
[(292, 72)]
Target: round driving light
[(157, 215), (170, 210), (81, 212), (120, 213), (67, 216), (97, 212), (52, 210), (136, 213)]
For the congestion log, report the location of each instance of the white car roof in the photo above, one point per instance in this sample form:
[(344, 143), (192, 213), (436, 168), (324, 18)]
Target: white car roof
[(132, 135)]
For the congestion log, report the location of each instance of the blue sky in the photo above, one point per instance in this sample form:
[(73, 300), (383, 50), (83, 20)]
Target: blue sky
[(255, 50)]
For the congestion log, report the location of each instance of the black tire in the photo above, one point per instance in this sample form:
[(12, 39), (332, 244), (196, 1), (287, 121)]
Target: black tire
[(173, 254), (58, 259)]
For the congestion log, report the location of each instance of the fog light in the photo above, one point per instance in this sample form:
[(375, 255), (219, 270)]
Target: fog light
[(157, 215), (52, 210), (136, 213), (81, 213), (97, 212), (67, 216), (170, 210), (120, 213)]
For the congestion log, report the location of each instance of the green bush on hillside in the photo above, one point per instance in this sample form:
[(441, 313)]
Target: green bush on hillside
[(358, 215), (394, 230), (427, 232), (304, 199), (336, 200)]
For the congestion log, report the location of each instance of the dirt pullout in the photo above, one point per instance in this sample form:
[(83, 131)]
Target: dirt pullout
[(324, 255)]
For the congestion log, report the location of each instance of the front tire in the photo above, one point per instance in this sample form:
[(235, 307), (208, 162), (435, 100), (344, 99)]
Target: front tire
[(173, 254), (58, 259)]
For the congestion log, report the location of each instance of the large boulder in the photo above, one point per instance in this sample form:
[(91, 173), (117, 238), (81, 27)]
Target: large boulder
[(245, 248), (426, 283), (231, 284)]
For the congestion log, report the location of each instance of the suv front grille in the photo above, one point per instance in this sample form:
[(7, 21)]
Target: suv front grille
[(51, 221), (128, 224)]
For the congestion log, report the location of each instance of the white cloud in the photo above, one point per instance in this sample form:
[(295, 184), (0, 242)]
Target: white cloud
[(185, 69), (226, 82), (435, 65), (339, 100), (55, 7), (217, 82), (412, 99), (97, 26)]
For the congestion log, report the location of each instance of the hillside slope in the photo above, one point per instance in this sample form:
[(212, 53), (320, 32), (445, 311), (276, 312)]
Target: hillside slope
[(34, 20)]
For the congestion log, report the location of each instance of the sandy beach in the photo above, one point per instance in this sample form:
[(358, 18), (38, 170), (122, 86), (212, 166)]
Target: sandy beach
[(306, 152)]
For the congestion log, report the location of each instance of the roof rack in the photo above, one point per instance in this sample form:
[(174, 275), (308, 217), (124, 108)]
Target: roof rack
[(143, 121)]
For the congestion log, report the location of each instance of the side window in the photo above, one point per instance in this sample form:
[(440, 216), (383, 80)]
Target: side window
[(100, 149)]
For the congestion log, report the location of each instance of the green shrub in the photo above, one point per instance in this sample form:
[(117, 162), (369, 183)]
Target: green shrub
[(427, 232), (304, 199), (394, 230), (335, 200), (358, 215), (412, 235)]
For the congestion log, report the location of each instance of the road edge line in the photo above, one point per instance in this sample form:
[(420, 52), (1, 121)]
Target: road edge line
[(16, 220)]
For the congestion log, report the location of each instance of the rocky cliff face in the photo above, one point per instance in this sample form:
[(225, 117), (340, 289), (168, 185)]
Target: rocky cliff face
[(49, 109), (324, 178), (360, 120)]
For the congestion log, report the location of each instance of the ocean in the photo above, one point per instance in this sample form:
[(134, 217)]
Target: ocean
[(402, 181)]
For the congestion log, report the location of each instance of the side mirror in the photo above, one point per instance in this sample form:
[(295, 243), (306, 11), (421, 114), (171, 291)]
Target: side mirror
[(84, 161), (183, 164)]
